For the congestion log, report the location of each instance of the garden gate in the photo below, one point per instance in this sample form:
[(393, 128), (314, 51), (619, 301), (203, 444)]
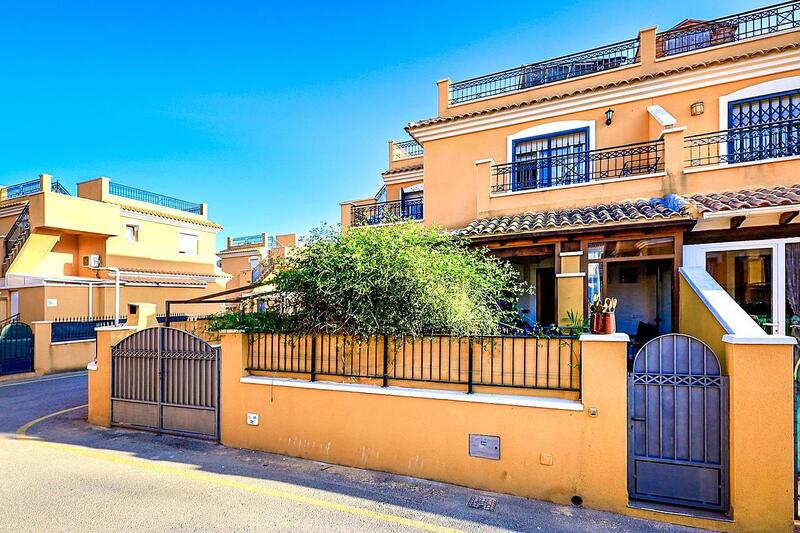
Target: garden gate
[(678, 425), (16, 348), (165, 379)]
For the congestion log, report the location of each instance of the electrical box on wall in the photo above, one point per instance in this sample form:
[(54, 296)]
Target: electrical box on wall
[(252, 419), (52, 302), (484, 446)]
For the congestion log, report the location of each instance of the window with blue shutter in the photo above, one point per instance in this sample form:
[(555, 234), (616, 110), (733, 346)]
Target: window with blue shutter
[(551, 160)]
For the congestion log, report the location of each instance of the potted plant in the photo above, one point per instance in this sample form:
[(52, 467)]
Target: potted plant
[(603, 320)]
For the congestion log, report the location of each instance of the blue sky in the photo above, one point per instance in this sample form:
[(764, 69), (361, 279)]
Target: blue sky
[(272, 113)]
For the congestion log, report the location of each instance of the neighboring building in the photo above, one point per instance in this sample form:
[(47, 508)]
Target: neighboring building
[(603, 172), (163, 248), (245, 258)]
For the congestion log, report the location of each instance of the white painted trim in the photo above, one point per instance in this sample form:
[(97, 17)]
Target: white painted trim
[(404, 177), (72, 342), (431, 394), (549, 129), (162, 275), (767, 339), (753, 91), (92, 365), (569, 254), (671, 84), (614, 337), (752, 211), (733, 319), (571, 275), (573, 185), (225, 255), (692, 170), (661, 115)]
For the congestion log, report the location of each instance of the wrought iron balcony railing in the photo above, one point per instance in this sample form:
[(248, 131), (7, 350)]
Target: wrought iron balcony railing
[(580, 167), (386, 212), (153, 198), (742, 145), (56, 187), (27, 188), (406, 150), (730, 29), (561, 68), (247, 240)]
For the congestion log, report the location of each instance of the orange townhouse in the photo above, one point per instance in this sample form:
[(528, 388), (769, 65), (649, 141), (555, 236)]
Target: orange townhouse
[(606, 171)]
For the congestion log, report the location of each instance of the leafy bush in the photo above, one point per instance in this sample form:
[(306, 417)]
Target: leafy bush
[(251, 322), (401, 279)]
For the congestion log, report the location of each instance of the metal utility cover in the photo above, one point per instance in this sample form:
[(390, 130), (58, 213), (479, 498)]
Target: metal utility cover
[(484, 446), (484, 503)]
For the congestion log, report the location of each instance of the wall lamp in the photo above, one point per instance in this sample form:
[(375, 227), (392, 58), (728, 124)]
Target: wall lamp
[(609, 116)]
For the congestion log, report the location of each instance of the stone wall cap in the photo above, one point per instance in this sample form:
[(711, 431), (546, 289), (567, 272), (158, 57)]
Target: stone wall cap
[(765, 340), (614, 337)]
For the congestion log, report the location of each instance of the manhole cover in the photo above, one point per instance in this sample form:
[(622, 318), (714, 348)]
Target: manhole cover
[(484, 503)]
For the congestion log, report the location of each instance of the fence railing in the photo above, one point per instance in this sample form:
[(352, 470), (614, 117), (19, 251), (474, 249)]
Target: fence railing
[(140, 195), (79, 328), (551, 362), (733, 28), (56, 187), (16, 236), (385, 212), (561, 68), (23, 189), (406, 150), (741, 145), (247, 240), (569, 169)]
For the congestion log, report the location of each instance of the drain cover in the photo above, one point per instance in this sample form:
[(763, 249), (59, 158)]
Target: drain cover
[(484, 503)]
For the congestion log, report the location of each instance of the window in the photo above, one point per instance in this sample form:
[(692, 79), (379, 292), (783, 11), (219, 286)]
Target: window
[(187, 243), (764, 127), (746, 275), (551, 160), (132, 232)]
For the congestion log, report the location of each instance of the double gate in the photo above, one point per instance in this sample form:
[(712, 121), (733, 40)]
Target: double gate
[(16, 348), (678, 425), (166, 380)]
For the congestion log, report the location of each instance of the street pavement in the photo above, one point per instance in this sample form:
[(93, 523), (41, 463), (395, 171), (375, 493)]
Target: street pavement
[(61, 474)]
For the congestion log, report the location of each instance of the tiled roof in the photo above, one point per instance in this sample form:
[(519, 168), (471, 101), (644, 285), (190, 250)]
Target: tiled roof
[(163, 281), (487, 111), (746, 199), (668, 208), (170, 216), (401, 170)]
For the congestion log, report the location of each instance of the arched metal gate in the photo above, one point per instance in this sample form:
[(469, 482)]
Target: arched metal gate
[(678, 425), (165, 379), (16, 348)]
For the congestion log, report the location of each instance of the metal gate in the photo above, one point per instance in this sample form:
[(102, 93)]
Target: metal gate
[(165, 379), (16, 348), (678, 425)]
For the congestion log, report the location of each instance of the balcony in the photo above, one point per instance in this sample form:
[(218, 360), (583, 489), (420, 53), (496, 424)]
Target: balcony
[(747, 144), (688, 37), (406, 150), (27, 188), (559, 170), (140, 195), (386, 212)]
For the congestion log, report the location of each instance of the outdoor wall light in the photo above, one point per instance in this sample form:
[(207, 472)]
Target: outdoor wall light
[(697, 108), (609, 116)]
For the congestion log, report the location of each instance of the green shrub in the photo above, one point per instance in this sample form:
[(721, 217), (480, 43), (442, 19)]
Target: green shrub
[(401, 279), (251, 322)]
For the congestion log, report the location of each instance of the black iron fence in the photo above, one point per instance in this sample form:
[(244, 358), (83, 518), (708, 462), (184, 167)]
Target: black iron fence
[(561, 68), (16, 236), (725, 30), (406, 150), (525, 362), (83, 328), (386, 212), (23, 189), (741, 145), (247, 240), (140, 195), (58, 188), (569, 169)]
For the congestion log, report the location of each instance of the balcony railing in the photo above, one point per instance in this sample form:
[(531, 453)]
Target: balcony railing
[(247, 240), (406, 150), (581, 167), (565, 67), (742, 145), (733, 28), (153, 198), (386, 212)]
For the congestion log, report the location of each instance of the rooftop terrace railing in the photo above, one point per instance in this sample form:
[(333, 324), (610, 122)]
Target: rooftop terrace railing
[(406, 150), (730, 29), (247, 240), (629, 160), (140, 195), (386, 212), (561, 68), (743, 145), (27, 188)]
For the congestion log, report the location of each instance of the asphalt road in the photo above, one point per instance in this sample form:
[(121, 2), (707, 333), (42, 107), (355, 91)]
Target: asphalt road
[(64, 475)]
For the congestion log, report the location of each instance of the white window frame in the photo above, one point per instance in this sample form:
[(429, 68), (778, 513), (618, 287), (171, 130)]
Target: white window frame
[(138, 233), (549, 129), (753, 91), (695, 255), (196, 237)]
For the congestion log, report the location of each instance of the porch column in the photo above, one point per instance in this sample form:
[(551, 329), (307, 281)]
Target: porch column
[(570, 281)]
